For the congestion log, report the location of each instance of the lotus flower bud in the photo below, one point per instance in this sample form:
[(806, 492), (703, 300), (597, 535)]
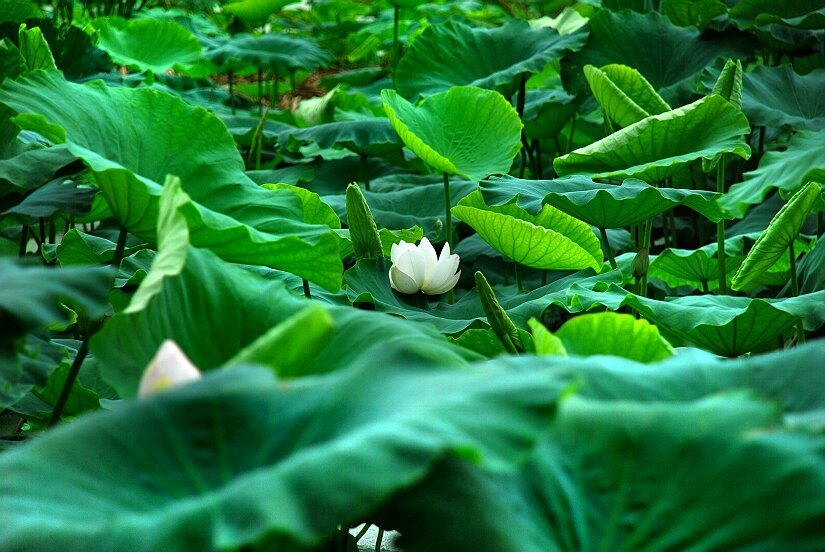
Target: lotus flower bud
[(416, 267), (168, 369)]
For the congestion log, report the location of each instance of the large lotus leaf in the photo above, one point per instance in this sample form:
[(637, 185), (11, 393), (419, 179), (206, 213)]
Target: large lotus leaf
[(697, 267), (369, 279), (551, 239), (55, 196), (671, 58), (811, 275), (177, 476), (30, 295), (35, 49), (602, 205), (371, 137), (624, 94), (804, 13), (255, 11), (454, 54), (270, 51), (421, 204), (148, 44), (777, 237), (659, 146), (725, 325), (30, 167), (133, 138), (610, 333), (18, 11), (546, 112), (466, 131), (12, 64), (776, 96), (693, 13), (782, 26), (711, 474), (788, 170), (187, 284), (684, 376)]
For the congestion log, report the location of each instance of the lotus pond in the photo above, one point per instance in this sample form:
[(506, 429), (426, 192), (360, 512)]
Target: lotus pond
[(498, 276)]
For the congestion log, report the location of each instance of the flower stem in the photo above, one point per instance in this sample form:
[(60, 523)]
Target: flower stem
[(608, 249), (121, 246), (646, 245), (307, 293), (395, 49), (70, 379), (800, 329), (448, 215), (720, 231)]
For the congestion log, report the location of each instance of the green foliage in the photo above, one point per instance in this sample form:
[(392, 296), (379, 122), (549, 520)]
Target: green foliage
[(465, 131), (658, 146), (195, 185), (550, 240)]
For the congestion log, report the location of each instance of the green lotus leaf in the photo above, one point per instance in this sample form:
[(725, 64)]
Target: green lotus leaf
[(811, 275), (725, 325), (624, 94), (601, 205), (610, 333), (693, 13), (776, 96), (18, 11), (697, 267), (659, 146), (729, 83), (465, 131), (482, 341), (549, 240), (454, 54), (598, 464), (671, 58), (53, 197), (131, 156), (254, 11), (271, 50), (148, 44), (34, 49), (398, 202), (546, 112), (370, 137), (29, 167), (788, 170), (778, 236), (12, 64), (782, 26), (545, 342), (173, 454)]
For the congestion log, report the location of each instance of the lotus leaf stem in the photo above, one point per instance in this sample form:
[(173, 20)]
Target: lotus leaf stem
[(307, 293), (800, 329), (519, 282), (608, 249), (119, 249), (720, 231), (70, 379), (448, 215)]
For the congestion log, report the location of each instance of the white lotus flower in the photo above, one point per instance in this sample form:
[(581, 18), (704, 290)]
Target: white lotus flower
[(170, 368), (416, 267)]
